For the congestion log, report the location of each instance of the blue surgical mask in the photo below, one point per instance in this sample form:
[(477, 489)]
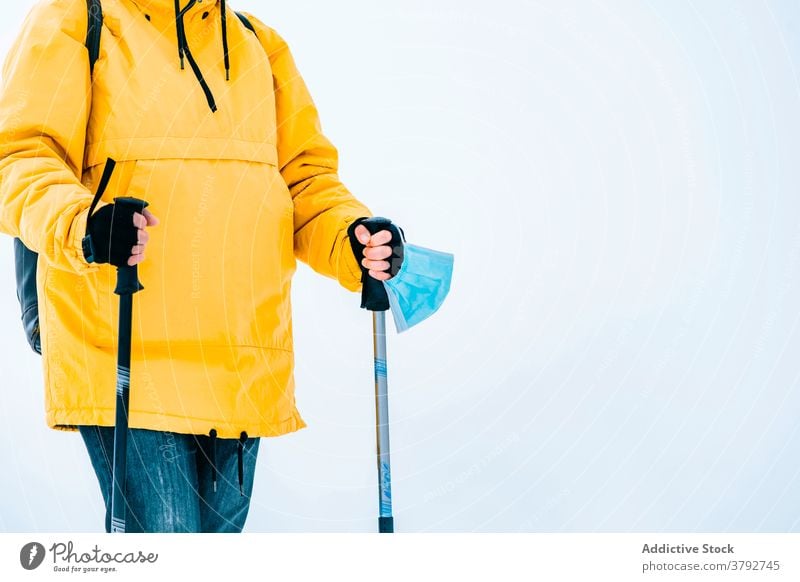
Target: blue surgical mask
[(420, 286)]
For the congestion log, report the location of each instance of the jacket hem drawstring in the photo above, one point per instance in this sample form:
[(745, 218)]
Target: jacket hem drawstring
[(240, 450), (240, 445), (213, 458)]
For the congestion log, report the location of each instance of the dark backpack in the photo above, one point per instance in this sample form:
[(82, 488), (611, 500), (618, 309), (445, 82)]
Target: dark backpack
[(25, 259)]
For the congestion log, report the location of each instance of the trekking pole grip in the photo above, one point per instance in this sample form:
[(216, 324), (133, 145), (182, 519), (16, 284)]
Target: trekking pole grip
[(373, 293), (128, 277)]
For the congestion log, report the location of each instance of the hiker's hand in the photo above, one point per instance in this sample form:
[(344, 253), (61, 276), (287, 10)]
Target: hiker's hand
[(141, 222), (376, 253), (117, 234)]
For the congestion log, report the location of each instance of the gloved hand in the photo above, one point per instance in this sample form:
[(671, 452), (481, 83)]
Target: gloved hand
[(117, 234), (378, 246)]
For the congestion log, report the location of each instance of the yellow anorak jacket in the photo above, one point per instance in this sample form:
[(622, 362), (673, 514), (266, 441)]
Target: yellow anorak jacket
[(241, 191)]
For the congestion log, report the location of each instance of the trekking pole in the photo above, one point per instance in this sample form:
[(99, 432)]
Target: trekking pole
[(385, 519), (127, 285), (375, 299)]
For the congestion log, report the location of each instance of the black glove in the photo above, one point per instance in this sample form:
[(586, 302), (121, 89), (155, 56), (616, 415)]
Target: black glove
[(373, 295), (111, 234)]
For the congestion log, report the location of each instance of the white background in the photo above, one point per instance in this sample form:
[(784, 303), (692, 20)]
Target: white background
[(619, 183)]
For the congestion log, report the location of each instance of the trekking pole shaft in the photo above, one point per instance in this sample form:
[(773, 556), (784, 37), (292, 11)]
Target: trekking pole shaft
[(121, 425), (385, 519)]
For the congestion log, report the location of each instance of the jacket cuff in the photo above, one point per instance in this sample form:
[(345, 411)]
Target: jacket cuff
[(74, 251), (349, 267)]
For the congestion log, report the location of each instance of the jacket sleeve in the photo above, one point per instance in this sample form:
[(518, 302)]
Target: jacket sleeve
[(44, 105), (323, 207)]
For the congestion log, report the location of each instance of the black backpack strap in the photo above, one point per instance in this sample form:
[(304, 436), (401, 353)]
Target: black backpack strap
[(95, 10), (25, 262), (247, 23)]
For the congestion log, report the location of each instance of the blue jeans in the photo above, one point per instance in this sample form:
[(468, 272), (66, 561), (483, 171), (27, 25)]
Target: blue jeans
[(172, 485)]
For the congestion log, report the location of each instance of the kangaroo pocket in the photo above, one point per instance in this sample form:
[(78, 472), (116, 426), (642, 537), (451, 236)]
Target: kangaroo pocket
[(218, 267), (77, 305)]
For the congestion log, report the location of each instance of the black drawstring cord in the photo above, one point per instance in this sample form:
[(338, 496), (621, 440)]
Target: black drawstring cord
[(225, 41), (213, 457), (242, 440), (183, 49), (199, 74), (178, 27)]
